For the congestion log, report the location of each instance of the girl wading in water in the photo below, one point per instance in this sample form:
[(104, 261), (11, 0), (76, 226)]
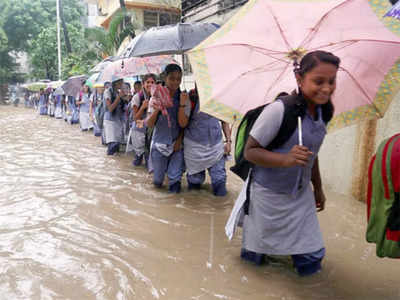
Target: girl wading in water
[(166, 146), (282, 217)]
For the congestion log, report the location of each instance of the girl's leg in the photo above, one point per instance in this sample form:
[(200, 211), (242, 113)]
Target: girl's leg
[(138, 160), (308, 263), (218, 178), (196, 180), (112, 148), (175, 171), (160, 165)]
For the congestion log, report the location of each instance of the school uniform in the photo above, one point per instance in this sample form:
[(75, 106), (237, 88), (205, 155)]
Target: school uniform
[(124, 121), (282, 218), (204, 150), (73, 112), (138, 133), (58, 112), (112, 125), (84, 119), (43, 105), (96, 99), (52, 105), (163, 158)]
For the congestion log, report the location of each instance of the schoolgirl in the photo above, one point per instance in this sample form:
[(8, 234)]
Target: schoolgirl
[(72, 111), (113, 115), (204, 146), (281, 217), (95, 100), (140, 104), (58, 112), (43, 103), (166, 147), (84, 103)]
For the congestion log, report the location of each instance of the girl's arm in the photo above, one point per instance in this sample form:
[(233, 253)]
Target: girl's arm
[(317, 185), (227, 132), (91, 108), (183, 119), (138, 112), (260, 156), (151, 120), (112, 106), (178, 142)]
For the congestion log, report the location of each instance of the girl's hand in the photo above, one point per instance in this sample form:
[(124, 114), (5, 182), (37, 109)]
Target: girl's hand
[(319, 199), (298, 156), (227, 148), (140, 123), (178, 145), (145, 104), (184, 98)]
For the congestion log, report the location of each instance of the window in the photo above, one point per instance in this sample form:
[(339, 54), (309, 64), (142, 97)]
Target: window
[(167, 18), (187, 5), (154, 18), (150, 18), (230, 4)]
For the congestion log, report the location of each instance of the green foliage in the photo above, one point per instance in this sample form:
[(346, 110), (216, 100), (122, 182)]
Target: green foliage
[(30, 26), (107, 42)]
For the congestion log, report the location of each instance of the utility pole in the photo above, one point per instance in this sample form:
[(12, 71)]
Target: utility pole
[(58, 39)]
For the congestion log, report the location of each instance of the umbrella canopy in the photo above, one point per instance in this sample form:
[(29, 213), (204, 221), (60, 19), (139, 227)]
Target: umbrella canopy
[(72, 86), (35, 86), (55, 84), (135, 66), (101, 65), (59, 91), (92, 79), (169, 39), (262, 41)]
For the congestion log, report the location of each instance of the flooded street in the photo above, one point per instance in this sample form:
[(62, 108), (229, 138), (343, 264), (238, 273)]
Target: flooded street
[(76, 224)]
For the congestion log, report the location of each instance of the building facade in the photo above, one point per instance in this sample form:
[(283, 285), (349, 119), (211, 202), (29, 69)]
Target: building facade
[(210, 11), (146, 13)]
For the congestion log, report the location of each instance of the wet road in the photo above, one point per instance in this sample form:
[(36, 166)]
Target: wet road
[(76, 224)]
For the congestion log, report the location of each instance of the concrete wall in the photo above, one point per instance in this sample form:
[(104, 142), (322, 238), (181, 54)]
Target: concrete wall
[(344, 156)]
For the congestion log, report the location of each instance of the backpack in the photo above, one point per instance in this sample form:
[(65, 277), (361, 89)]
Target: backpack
[(294, 106)]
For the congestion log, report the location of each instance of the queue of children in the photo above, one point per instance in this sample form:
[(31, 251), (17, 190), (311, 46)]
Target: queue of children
[(169, 138), (283, 191)]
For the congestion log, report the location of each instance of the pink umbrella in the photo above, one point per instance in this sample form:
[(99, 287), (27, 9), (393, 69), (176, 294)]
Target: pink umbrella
[(135, 66), (249, 60)]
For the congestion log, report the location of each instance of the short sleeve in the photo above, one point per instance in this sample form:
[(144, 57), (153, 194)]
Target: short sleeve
[(107, 94), (136, 100), (267, 125)]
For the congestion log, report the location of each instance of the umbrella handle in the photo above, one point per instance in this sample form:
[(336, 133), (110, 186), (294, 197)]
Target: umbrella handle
[(300, 131), (183, 72)]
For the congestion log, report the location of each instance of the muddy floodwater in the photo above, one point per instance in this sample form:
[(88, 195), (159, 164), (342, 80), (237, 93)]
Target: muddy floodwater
[(76, 224)]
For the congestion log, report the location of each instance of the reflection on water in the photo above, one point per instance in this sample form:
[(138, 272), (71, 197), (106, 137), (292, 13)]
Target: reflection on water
[(75, 224)]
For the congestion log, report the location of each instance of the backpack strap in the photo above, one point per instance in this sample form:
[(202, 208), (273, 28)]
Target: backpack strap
[(294, 106)]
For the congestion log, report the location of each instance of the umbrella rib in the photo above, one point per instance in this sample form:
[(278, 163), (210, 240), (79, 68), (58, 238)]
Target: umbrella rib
[(351, 42), (279, 28), (254, 70), (345, 44), (363, 91), (315, 29), (244, 45), (277, 79)]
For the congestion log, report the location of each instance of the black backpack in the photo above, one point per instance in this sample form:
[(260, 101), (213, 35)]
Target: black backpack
[(295, 106)]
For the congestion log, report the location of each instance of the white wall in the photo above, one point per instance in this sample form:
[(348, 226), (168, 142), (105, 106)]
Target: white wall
[(338, 155)]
